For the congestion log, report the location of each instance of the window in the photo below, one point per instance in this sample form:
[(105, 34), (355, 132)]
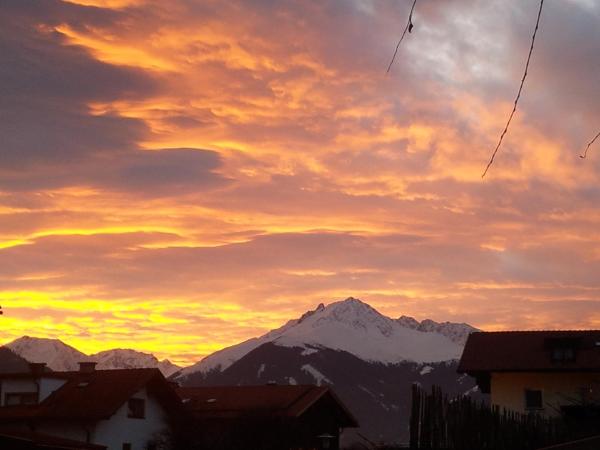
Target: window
[(563, 354), (136, 408), (126, 446), (562, 350), (533, 399), (20, 398)]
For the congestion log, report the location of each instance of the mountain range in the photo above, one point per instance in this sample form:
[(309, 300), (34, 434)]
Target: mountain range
[(371, 361), (357, 328), (10, 362), (60, 357)]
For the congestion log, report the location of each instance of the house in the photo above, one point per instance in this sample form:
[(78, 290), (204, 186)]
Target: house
[(126, 409), (268, 416), (547, 372)]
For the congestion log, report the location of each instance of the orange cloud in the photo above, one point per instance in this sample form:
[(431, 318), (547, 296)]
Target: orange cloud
[(182, 178)]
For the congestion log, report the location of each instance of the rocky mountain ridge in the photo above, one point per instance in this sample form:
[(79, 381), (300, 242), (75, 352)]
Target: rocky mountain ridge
[(62, 357), (355, 327)]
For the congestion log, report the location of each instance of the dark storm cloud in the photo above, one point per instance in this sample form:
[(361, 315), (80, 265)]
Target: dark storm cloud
[(46, 85), (163, 172), (50, 139), (148, 173)]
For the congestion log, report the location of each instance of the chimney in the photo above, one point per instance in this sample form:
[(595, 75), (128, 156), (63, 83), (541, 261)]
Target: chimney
[(87, 366), (37, 369)]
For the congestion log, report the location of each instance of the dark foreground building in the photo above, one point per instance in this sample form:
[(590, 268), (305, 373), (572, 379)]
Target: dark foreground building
[(267, 417)]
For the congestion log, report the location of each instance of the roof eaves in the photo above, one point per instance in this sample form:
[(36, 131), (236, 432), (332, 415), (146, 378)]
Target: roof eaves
[(296, 408)]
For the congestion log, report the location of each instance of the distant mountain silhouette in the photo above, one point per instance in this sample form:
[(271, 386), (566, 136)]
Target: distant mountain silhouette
[(10, 362), (62, 357)]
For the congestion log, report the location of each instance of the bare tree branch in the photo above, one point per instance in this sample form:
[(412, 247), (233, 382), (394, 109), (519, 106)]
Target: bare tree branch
[(408, 27), (537, 24), (588, 146)]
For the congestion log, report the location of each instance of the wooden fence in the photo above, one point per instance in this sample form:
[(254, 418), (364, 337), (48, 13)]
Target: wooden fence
[(439, 422)]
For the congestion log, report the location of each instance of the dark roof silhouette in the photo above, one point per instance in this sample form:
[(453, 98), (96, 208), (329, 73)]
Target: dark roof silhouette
[(96, 395), (526, 351), (230, 402), (37, 440)]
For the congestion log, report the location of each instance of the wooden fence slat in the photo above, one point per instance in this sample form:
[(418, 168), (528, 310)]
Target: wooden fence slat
[(440, 422)]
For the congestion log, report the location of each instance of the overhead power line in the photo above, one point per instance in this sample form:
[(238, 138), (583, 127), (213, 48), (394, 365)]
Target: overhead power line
[(408, 27), (589, 145), (537, 24)]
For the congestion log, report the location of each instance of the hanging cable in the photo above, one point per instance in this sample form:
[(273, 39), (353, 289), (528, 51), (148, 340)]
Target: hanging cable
[(588, 146), (537, 24), (408, 27)]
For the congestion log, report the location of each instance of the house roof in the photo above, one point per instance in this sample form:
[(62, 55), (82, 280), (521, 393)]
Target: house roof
[(19, 412), (37, 440), (230, 402), (30, 375), (524, 351), (96, 395)]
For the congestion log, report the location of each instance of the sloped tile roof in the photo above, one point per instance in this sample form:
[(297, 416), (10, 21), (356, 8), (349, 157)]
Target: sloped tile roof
[(529, 351), (96, 395), (258, 401), (46, 441)]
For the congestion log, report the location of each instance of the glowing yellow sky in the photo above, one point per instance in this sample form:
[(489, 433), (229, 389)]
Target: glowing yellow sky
[(177, 177)]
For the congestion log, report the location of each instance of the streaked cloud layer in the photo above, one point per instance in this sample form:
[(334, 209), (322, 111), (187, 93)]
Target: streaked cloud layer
[(179, 177)]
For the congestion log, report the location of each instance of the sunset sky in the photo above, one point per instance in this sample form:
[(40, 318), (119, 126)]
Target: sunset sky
[(177, 176)]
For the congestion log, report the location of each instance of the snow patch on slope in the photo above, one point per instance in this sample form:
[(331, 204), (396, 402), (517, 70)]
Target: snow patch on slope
[(318, 376), (425, 370), (309, 351)]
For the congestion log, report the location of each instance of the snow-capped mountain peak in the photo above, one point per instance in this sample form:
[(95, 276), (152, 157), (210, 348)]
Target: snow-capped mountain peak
[(55, 353), (355, 327), (409, 322), (456, 332), (61, 357), (354, 313), (131, 359)]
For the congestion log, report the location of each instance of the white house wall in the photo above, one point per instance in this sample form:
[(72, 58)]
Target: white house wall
[(16, 385), (48, 386), (120, 429)]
